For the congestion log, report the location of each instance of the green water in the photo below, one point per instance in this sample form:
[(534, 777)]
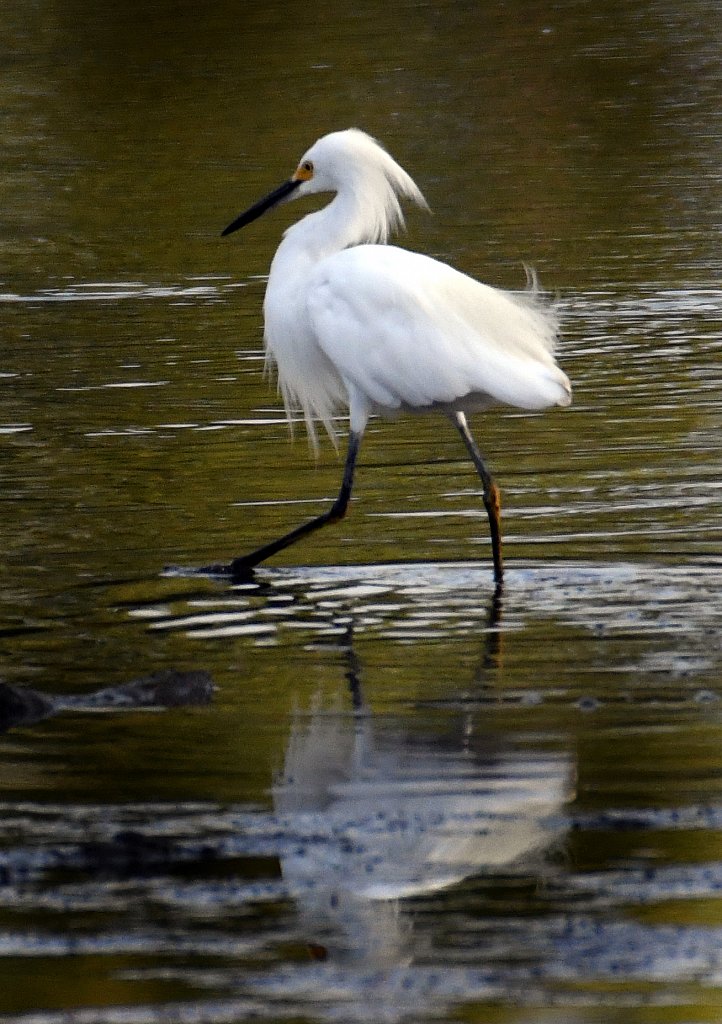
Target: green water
[(572, 856)]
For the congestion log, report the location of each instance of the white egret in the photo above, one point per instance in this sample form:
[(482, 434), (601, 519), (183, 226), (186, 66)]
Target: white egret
[(353, 323)]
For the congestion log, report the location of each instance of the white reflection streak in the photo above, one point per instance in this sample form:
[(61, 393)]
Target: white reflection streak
[(385, 817)]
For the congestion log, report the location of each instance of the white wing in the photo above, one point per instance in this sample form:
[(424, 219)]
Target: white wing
[(403, 329)]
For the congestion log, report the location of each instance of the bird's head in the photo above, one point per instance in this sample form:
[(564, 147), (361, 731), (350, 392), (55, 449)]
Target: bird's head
[(350, 163)]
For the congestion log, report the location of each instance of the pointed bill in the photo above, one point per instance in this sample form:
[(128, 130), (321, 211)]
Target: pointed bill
[(267, 203)]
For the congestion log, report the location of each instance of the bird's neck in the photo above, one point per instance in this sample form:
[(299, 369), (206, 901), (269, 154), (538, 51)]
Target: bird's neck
[(337, 226)]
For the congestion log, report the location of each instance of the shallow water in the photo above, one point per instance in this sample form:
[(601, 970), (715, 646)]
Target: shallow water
[(361, 786)]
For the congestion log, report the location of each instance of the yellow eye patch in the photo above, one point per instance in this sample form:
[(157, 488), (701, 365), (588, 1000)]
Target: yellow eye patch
[(304, 171)]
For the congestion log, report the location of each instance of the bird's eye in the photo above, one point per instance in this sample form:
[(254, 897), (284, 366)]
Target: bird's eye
[(304, 172)]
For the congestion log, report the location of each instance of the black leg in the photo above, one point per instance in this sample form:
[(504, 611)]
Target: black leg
[(492, 500), (242, 567)]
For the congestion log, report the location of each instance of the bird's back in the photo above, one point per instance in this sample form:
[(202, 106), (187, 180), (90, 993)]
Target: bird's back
[(406, 331)]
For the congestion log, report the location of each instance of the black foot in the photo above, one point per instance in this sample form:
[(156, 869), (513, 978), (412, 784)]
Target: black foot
[(219, 569), (240, 570), (237, 571)]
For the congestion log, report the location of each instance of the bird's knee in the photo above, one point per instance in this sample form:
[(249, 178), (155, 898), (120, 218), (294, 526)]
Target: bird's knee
[(337, 511), (492, 500)]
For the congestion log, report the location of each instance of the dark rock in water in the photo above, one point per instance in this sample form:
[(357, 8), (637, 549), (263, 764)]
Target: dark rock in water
[(22, 707), (163, 689), (166, 688)]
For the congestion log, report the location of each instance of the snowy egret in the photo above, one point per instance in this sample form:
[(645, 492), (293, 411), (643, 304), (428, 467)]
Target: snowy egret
[(351, 322)]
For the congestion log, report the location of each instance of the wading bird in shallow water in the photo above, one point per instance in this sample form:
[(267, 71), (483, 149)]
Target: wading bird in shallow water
[(351, 322)]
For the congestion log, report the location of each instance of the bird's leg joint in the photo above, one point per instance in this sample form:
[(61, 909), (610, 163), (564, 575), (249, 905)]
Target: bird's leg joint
[(492, 498)]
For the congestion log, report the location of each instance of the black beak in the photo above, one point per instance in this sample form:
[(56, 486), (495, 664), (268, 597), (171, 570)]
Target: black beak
[(255, 211)]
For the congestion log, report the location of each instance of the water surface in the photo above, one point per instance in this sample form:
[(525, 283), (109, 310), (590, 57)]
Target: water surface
[(361, 786)]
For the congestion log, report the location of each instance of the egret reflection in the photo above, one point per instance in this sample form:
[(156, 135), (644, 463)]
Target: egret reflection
[(388, 809)]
